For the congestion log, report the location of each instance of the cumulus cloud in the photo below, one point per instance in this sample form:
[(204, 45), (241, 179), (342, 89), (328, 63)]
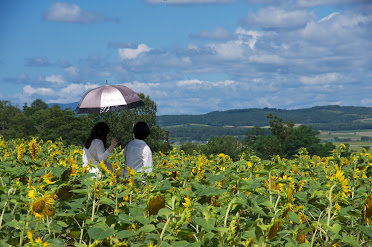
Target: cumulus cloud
[(231, 50), (322, 79), (29, 90), (129, 53), (74, 90), (197, 83), (56, 80), (274, 17), (334, 27), (64, 12)]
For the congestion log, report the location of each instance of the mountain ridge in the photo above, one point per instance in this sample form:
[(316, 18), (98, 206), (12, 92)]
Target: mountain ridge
[(353, 117)]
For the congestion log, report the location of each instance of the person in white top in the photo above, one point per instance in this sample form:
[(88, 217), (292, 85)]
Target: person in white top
[(95, 150), (137, 153)]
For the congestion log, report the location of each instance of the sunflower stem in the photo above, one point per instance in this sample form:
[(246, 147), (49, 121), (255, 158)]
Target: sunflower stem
[(163, 231), (2, 214), (329, 209)]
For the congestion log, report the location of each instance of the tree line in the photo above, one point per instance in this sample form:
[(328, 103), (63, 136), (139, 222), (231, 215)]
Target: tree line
[(52, 123), (282, 138)]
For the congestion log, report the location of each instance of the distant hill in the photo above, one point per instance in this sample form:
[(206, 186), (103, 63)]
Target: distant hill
[(320, 117), (332, 117)]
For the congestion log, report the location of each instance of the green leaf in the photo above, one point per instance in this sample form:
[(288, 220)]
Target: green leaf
[(143, 220), (216, 178), (165, 212), (81, 191), (147, 228), (165, 186), (258, 210), (57, 242), (124, 193), (267, 204), (125, 234), (210, 192), (58, 171), (348, 240), (207, 225), (293, 217), (107, 201), (15, 224), (61, 223), (367, 230), (98, 232), (335, 228)]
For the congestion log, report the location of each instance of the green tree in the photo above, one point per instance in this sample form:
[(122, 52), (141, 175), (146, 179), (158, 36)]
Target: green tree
[(13, 123), (189, 147), (225, 144), (285, 139)]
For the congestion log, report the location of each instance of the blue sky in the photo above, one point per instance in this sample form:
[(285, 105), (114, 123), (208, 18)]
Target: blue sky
[(189, 56)]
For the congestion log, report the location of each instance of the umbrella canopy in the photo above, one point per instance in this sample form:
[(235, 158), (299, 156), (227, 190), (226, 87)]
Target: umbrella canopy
[(108, 98)]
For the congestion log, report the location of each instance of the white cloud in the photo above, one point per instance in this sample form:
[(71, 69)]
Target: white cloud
[(231, 50), (75, 90), (64, 12), (273, 17), (196, 82), (326, 78), (28, 90), (336, 28), (328, 17), (72, 71), (266, 59), (128, 53), (55, 79), (249, 35), (141, 87), (313, 3)]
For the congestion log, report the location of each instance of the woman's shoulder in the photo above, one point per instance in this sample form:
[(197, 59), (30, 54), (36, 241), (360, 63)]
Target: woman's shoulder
[(96, 142)]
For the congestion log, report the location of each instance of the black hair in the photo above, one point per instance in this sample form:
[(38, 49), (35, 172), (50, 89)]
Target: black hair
[(141, 130), (99, 131)]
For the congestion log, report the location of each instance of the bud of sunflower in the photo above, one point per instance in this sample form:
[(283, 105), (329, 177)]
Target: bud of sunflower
[(64, 193), (274, 228), (299, 237)]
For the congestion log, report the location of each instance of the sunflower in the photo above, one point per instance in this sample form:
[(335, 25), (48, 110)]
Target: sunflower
[(20, 151), (155, 204), (187, 202), (43, 207), (345, 189), (368, 209), (104, 168), (34, 149)]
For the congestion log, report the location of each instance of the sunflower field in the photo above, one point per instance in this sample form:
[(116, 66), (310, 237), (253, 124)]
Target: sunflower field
[(48, 199)]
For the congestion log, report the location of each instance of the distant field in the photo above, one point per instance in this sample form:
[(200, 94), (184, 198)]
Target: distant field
[(357, 139)]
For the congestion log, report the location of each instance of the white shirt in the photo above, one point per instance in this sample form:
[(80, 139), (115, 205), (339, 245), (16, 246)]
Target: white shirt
[(137, 154), (97, 148)]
